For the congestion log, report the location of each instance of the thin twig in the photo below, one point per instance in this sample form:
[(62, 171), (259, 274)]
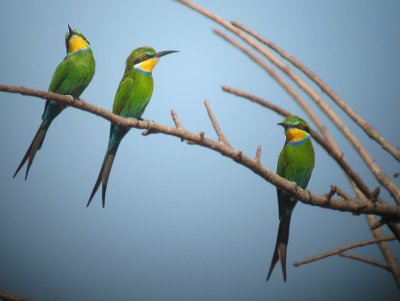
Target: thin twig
[(342, 249), (217, 128), (262, 102), (343, 194), (258, 155), (360, 205), (331, 192), (361, 122), (178, 123), (176, 120), (366, 260)]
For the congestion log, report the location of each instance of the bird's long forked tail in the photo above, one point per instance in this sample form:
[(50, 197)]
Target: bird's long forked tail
[(36, 144), (281, 246), (104, 175)]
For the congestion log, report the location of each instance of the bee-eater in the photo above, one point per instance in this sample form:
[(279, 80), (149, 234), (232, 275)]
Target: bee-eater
[(133, 95), (295, 163), (71, 77)]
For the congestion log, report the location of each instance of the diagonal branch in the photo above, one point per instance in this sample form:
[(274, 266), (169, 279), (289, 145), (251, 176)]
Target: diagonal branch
[(368, 160), (217, 128), (342, 249), (357, 206), (360, 121), (367, 260)]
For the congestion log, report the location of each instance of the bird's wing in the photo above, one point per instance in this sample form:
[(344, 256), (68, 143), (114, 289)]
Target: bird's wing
[(57, 80), (282, 165), (59, 75), (122, 96)]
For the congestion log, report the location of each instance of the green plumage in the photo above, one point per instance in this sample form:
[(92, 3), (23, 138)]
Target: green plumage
[(133, 95), (295, 163), (71, 77)]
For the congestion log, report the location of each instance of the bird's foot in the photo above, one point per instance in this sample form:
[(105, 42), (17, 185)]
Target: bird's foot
[(150, 125), (71, 99), (150, 122)]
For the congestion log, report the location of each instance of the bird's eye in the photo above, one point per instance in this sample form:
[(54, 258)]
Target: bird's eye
[(145, 57)]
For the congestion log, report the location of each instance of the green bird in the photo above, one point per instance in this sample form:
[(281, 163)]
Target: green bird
[(133, 95), (71, 77), (295, 163)]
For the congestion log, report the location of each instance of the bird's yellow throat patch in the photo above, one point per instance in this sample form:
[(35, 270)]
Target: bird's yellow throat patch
[(295, 134), (148, 65), (76, 43)]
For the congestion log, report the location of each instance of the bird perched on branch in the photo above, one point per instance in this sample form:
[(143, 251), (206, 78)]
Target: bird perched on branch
[(133, 95), (71, 77), (295, 163)]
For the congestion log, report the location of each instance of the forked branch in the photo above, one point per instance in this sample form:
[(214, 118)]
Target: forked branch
[(342, 249)]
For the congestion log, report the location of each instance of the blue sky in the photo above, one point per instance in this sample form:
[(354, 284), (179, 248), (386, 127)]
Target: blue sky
[(182, 222)]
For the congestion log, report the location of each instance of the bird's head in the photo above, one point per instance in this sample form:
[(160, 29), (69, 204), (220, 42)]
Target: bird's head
[(144, 59), (75, 41), (296, 129)]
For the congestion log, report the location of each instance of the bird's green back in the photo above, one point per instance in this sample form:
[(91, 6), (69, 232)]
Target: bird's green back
[(73, 74)]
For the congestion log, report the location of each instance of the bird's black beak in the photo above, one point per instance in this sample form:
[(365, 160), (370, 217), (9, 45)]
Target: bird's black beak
[(282, 124), (162, 53), (71, 32)]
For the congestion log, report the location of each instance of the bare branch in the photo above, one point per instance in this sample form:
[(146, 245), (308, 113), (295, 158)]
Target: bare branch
[(342, 249), (331, 192), (375, 169), (361, 122), (176, 120), (262, 102), (358, 206), (366, 260), (217, 128)]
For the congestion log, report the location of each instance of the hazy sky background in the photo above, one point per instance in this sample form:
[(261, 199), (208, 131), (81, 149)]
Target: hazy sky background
[(182, 222)]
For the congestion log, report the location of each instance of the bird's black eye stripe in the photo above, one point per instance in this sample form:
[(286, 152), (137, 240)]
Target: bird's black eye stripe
[(142, 58), (303, 127)]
